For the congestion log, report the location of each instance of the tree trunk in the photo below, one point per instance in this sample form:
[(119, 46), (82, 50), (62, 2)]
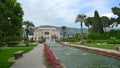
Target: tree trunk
[(63, 35), (27, 41), (7, 42), (81, 39)]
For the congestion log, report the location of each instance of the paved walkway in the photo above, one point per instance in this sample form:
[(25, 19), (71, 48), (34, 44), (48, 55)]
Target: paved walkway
[(33, 59)]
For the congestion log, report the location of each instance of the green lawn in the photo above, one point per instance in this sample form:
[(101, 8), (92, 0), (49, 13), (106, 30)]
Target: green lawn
[(105, 46), (7, 53), (100, 45)]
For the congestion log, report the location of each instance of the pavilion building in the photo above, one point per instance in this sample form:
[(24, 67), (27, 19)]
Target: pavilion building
[(49, 34)]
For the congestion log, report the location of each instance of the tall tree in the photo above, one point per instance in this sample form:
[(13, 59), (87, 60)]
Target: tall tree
[(11, 15), (116, 11), (105, 22), (63, 31), (97, 23), (89, 22), (28, 28), (81, 18)]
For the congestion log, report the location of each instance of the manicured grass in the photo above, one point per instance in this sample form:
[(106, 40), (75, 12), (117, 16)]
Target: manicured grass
[(7, 53), (100, 45), (104, 46)]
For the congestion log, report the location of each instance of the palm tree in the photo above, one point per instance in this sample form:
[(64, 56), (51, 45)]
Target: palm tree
[(81, 18), (64, 31), (28, 28)]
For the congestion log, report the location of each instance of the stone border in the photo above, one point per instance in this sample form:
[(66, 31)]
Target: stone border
[(106, 52)]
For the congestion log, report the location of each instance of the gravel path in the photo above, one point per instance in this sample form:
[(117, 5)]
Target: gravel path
[(33, 59)]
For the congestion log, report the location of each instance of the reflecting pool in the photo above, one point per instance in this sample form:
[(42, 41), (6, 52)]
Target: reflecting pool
[(77, 58)]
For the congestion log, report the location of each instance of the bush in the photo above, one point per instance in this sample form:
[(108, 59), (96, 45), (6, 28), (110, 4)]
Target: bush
[(42, 39), (71, 40), (2, 43), (13, 43), (94, 36), (112, 40), (89, 41)]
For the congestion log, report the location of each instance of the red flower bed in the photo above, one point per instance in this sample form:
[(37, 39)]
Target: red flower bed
[(50, 58)]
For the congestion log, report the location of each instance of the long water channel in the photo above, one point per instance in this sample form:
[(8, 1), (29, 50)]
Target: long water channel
[(77, 58)]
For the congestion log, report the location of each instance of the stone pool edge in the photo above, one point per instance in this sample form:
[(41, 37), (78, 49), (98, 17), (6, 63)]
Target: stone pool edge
[(106, 52)]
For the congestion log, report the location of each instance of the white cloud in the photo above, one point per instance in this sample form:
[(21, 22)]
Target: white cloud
[(108, 15), (45, 12)]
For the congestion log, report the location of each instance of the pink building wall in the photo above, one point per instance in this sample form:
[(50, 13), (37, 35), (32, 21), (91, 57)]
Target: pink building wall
[(44, 32)]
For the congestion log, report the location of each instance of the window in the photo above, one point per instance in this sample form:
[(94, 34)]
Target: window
[(46, 33)]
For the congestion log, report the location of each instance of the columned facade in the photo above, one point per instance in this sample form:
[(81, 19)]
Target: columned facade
[(49, 34)]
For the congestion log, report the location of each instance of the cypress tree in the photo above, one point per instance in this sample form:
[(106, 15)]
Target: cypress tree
[(97, 23)]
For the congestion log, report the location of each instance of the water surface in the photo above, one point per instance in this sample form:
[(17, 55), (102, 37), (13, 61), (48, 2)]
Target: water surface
[(77, 58)]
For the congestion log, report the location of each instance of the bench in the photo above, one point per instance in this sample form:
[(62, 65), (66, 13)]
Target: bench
[(18, 54)]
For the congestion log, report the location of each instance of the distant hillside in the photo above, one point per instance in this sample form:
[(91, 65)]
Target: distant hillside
[(69, 30)]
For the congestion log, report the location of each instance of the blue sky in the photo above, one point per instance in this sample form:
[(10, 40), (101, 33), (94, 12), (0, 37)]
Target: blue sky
[(64, 12)]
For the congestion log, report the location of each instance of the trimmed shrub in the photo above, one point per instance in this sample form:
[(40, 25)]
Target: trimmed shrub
[(13, 43), (89, 41)]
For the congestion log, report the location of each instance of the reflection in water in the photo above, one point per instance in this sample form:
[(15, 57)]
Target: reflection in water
[(67, 54), (84, 54), (77, 58)]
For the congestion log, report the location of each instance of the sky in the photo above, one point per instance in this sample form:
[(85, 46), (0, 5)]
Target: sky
[(64, 12)]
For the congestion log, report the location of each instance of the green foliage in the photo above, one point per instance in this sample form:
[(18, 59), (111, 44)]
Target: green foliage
[(94, 36), (101, 41), (117, 35), (81, 18), (97, 23), (11, 15), (112, 33), (89, 41), (104, 46), (105, 35), (42, 39), (64, 31), (112, 40), (89, 21), (77, 36), (28, 30), (116, 11), (105, 22), (13, 43), (101, 45), (71, 40), (2, 43)]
